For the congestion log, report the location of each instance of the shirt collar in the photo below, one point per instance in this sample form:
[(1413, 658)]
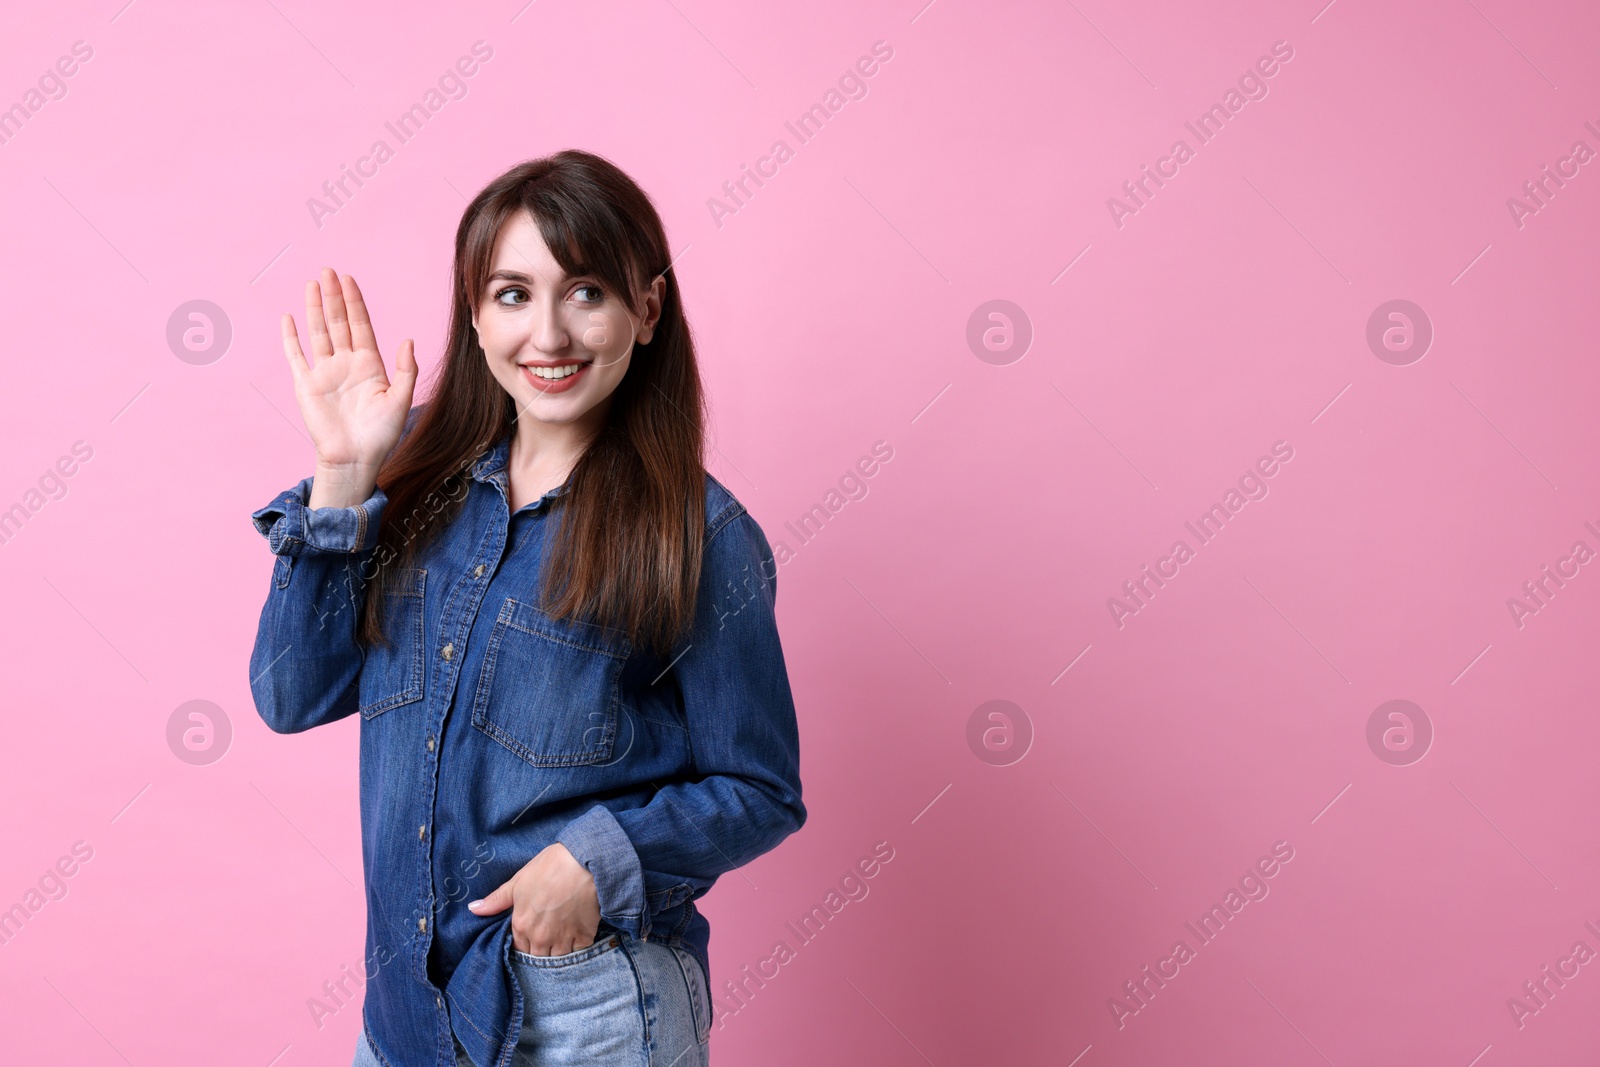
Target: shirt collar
[(493, 461), (491, 468)]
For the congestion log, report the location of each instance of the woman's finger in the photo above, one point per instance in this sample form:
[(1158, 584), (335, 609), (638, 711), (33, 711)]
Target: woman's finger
[(334, 310), (494, 903), (361, 333), (405, 370), (291, 347), (316, 325)]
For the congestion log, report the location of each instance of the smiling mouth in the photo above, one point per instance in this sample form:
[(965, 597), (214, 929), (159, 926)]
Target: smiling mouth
[(554, 378), (556, 373)]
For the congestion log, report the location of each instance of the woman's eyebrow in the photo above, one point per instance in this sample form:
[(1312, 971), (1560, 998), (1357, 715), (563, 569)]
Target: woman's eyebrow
[(518, 276), (510, 275)]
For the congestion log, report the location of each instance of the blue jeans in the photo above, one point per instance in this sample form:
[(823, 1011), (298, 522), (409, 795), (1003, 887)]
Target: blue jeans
[(616, 1003)]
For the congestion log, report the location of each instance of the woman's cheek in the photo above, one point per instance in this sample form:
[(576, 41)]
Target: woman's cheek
[(598, 333)]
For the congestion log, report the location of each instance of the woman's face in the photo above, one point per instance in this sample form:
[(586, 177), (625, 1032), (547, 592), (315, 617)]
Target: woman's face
[(558, 345)]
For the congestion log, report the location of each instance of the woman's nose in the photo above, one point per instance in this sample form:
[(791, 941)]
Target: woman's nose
[(550, 333)]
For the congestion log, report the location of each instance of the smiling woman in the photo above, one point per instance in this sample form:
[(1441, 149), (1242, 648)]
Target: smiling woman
[(547, 334), (540, 668)]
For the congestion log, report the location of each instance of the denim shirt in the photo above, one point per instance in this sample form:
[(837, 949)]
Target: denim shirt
[(490, 730)]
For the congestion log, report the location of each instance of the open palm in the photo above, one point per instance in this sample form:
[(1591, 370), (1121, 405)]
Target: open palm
[(352, 410)]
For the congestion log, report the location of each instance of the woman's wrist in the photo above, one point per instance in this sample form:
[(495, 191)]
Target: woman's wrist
[(342, 485)]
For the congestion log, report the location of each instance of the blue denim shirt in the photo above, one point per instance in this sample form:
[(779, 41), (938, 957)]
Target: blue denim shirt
[(490, 730)]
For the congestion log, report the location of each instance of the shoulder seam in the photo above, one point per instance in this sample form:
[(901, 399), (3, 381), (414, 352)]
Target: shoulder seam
[(723, 518), (726, 514)]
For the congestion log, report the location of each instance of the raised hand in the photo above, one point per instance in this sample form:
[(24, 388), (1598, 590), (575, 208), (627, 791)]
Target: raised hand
[(351, 409)]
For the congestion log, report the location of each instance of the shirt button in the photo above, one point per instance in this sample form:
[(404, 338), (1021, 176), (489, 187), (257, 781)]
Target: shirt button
[(438, 1001), (422, 831), (448, 650), (422, 925), (477, 572), (430, 742)]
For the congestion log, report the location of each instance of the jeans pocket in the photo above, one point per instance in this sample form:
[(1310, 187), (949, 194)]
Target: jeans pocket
[(699, 995), (568, 959), (586, 1006)]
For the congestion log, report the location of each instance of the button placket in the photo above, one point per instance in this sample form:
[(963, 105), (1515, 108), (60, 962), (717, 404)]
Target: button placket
[(459, 621)]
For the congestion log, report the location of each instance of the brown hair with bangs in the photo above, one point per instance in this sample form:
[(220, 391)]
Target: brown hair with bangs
[(631, 525)]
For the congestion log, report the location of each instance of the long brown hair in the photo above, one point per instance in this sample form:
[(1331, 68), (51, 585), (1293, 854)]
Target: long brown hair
[(631, 524)]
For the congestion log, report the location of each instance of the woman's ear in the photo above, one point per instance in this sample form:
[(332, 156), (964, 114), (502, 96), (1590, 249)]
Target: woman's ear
[(652, 309)]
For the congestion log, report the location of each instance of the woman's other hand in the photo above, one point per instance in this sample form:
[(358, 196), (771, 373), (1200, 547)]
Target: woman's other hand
[(352, 410), (554, 906)]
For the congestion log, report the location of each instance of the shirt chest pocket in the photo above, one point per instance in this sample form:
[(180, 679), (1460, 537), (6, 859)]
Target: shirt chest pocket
[(392, 676), (548, 690)]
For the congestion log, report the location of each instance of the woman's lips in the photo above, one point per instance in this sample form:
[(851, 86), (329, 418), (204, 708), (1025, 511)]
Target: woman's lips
[(553, 385)]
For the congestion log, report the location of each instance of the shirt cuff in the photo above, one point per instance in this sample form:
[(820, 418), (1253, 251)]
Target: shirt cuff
[(598, 841), (291, 528)]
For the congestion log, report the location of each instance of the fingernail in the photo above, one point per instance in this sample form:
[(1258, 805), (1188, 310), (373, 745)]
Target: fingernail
[(474, 903)]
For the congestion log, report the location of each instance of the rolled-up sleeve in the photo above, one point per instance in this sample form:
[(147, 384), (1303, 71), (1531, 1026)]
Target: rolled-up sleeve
[(306, 664), (292, 529), (743, 797)]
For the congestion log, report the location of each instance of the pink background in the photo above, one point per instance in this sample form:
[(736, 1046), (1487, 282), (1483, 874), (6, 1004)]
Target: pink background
[(1228, 314)]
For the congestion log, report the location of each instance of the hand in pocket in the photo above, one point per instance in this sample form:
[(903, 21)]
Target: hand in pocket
[(555, 908)]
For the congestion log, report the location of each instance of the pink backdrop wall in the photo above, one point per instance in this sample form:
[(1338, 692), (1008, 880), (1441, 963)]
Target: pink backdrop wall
[(1147, 759)]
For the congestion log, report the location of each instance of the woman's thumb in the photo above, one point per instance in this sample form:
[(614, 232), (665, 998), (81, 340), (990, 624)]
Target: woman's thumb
[(405, 363)]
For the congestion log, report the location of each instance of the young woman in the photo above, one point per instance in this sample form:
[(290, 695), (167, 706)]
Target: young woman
[(557, 628)]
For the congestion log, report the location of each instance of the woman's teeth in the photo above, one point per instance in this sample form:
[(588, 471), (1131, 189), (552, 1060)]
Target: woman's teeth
[(555, 373)]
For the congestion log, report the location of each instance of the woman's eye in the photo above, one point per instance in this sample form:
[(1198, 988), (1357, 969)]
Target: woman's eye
[(500, 297), (598, 294)]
